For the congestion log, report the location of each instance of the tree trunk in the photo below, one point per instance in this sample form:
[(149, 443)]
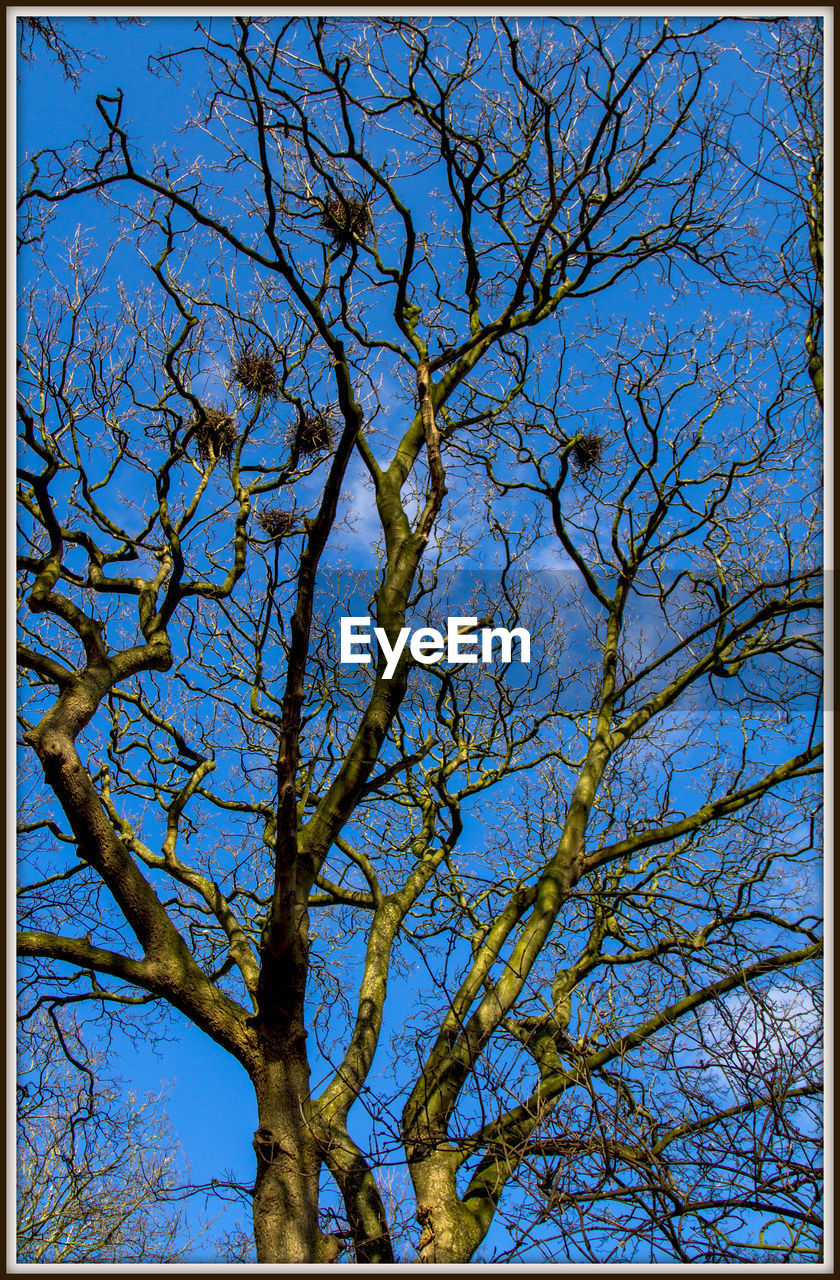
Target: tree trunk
[(288, 1163), (450, 1230), (288, 1156)]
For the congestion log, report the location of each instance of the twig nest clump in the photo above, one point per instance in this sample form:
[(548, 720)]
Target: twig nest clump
[(215, 433), (587, 452), (276, 522), (315, 433), (256, 372), (346, 218)]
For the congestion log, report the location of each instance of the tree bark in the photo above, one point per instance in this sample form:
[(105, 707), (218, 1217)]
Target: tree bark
[(451, 1231), (288, 1154), (286, 1187)]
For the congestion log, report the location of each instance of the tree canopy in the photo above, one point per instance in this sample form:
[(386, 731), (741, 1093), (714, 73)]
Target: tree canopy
[(514, 323)]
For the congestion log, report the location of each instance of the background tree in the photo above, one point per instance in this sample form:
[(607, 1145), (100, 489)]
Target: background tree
[(98, 1179), (373, 286), (792, 159)]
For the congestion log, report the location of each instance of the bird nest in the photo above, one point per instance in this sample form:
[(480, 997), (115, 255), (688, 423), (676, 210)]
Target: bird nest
[(315, 433), (346, 218), (215, 433), (276, 522), (587, 452), (256, 373)]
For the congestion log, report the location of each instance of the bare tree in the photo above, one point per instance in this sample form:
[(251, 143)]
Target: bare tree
[(99, 1179), (793, 161), (380, 277), (42, 36)]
